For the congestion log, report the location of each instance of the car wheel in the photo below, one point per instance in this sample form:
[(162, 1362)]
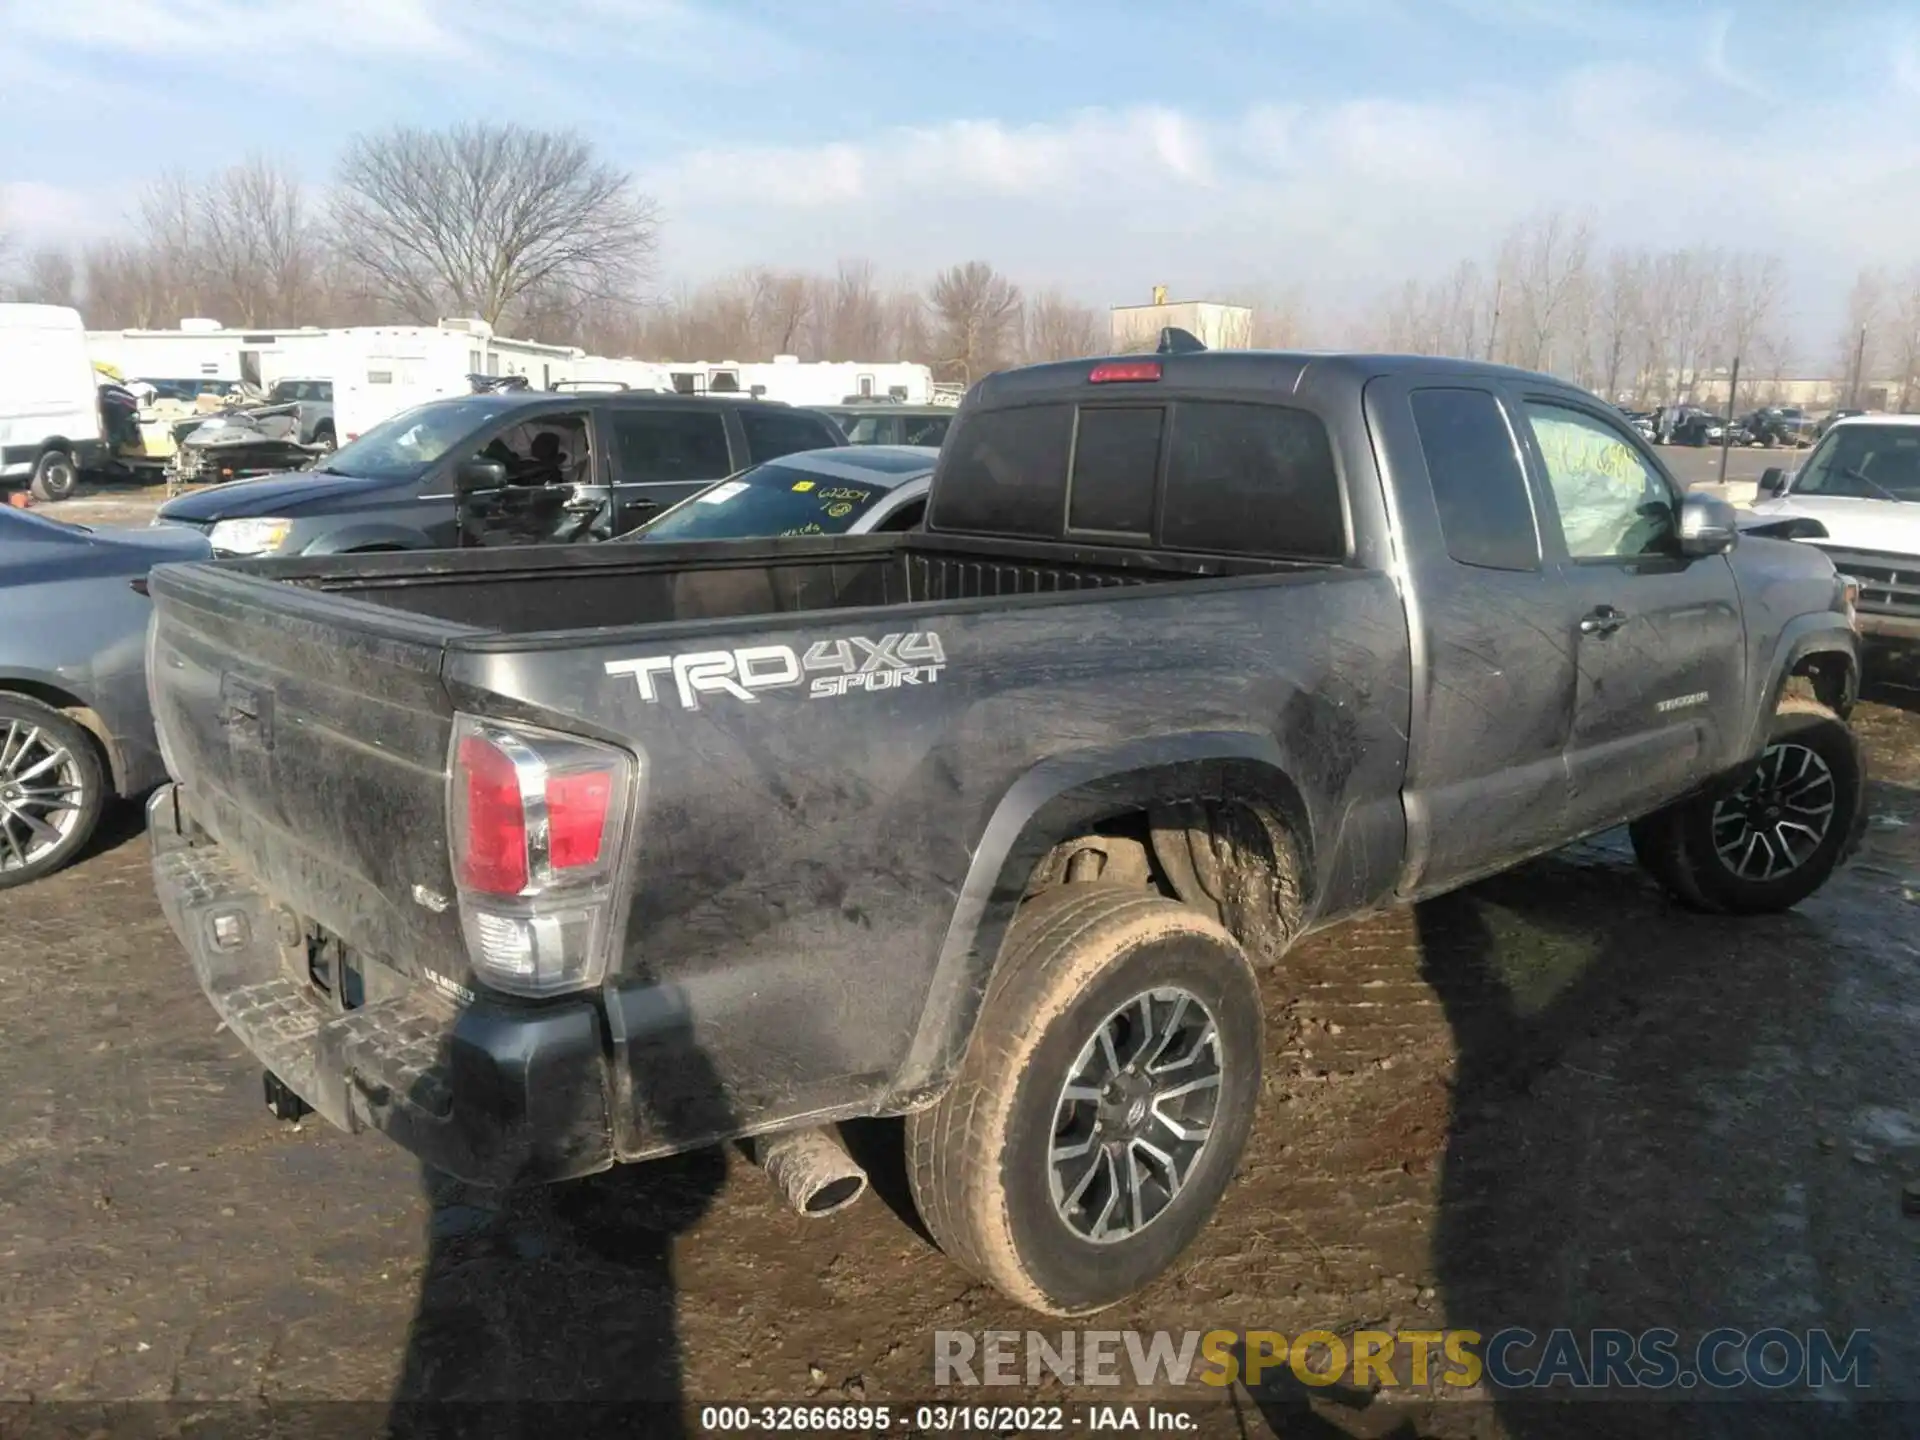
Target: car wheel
[(54, 476), (323, 440), (1769, 842), (1103, 1102), (53, 786)]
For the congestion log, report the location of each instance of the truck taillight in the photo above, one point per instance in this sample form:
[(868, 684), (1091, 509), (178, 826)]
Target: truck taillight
[(535, 825)]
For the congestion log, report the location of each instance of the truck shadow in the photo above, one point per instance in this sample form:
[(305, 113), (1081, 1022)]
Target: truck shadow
[(553, 1309), (1618, 1155)]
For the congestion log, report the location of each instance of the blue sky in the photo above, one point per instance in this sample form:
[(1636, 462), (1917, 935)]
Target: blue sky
[(1335, 146)]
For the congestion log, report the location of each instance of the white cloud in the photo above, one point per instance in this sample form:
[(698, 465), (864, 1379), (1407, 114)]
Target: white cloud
[(34, 213), (1343, 199)]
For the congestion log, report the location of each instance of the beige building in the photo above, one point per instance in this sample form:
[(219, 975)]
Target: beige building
[(1219, 327)]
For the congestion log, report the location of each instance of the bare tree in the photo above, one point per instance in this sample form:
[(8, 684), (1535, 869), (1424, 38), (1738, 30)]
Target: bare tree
[(472, 219), (1619, 318), (1547, 258), (1061, 329), (1750, 291), (256, 245), (977, 316), (1864, 343), (848, 318), (49, 278)]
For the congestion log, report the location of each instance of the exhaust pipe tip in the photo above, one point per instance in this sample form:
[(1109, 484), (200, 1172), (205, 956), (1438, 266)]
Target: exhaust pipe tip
[(811, 1171)]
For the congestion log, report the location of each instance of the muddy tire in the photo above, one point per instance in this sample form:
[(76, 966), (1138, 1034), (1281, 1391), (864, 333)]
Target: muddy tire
[(1656, 845), (54, 476), (1103, 1102), (53, 786), (1776, 837)]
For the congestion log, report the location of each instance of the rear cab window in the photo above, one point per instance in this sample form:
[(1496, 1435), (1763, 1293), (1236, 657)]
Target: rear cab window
[(1212, 476)]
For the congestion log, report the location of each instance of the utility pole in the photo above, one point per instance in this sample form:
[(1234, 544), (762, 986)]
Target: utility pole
[(1726, 431), (1493, 328), (1859, 358)]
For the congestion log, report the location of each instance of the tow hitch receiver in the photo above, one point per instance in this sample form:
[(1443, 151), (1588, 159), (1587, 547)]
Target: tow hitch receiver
[(284, 1104)]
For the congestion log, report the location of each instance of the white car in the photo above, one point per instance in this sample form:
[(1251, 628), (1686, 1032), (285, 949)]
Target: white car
[(1861, 484)]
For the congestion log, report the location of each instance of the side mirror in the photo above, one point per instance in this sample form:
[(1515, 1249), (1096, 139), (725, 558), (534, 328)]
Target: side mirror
[(475, 476), (1708, 526), (1773, 481)]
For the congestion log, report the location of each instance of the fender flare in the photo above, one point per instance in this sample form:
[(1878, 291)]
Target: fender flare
[(1821, 633), (1057, 798), (364, 537)]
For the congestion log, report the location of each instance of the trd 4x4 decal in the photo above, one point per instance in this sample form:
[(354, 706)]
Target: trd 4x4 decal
[(828, 668)]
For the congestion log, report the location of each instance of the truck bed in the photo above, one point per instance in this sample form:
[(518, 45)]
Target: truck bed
[(801, 849), (567, 588)]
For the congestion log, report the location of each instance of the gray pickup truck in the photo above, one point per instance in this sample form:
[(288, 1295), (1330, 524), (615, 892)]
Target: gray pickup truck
[(548, 859)]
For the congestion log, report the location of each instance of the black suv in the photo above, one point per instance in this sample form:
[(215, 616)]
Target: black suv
[(572, 466)]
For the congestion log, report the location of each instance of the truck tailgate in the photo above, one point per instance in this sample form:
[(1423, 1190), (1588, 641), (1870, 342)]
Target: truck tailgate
[(309, 735)]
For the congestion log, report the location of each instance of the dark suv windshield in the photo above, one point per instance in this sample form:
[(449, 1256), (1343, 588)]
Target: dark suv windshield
[(1865, 462), (404, 447), (773, 499)]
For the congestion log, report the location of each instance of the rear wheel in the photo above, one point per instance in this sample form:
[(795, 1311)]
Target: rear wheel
[(1102, 1105), (54, 476), (53, 786)]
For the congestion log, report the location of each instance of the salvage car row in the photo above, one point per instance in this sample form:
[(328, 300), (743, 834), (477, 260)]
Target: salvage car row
[(539, 858)]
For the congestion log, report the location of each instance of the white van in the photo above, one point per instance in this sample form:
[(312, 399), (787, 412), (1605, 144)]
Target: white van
[(49, 400)]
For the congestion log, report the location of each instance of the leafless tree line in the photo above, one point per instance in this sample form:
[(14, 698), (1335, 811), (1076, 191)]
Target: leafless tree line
[(1880, 341), (1631, 323), (518, 227), (530, 231)]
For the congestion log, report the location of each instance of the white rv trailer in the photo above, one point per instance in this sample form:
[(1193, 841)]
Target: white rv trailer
[(380, 370), (804, 382), (206, 350)]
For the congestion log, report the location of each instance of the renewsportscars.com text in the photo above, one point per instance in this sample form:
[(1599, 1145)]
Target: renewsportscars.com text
[(1771, 1358)]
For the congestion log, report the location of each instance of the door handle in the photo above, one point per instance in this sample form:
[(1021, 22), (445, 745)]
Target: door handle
[(1602, 620)]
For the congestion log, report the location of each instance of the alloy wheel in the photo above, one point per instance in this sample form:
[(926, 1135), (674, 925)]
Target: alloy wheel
[(1135, 1115), (42, 794), (1775, 822)]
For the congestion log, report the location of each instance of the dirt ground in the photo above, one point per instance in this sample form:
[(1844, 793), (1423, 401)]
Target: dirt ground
[(1551, 1100)]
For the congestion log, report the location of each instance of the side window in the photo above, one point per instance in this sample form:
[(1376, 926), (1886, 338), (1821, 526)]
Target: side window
[(1612, 504), (1478, 483), (774, 432), (1252, 480), (651, 447)]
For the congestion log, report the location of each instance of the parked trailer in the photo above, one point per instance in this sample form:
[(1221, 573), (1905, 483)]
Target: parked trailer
[(805, 382), (205, 350), (380, 370)]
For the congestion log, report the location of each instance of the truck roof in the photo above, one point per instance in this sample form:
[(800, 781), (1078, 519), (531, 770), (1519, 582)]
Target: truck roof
[(1252, 370)]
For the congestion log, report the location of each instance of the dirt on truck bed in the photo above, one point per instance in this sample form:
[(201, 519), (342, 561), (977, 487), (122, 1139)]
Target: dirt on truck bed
[(1553, 1100)]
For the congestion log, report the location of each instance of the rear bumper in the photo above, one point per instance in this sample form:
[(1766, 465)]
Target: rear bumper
[(490, 1094)]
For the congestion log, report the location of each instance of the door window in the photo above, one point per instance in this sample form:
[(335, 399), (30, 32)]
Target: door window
[(1612, 504), (545, 458), (652, 447), (773, 432)]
